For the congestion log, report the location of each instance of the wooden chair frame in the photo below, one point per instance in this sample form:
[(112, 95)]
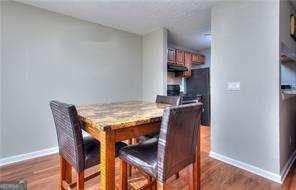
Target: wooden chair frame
[(66, 176)]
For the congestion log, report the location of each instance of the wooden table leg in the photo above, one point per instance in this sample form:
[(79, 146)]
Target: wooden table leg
[(107, 164)]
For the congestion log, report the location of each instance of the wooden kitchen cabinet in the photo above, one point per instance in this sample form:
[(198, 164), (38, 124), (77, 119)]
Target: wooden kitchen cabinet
[(171, 56), (198, 59), (188, 64), (180, 57), (184, 58), (194, 58)]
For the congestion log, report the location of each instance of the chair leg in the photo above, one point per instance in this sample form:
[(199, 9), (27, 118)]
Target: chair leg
[(177, 175), (162, 186), (129, 168), (80, 180), (135, 140), (123, 175), (151, 182), (68, 173), (65, 172), (130, 141), (191, 177), (62, 173)]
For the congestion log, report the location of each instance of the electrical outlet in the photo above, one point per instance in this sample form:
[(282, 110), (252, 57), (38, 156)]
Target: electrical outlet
[(233, 86)]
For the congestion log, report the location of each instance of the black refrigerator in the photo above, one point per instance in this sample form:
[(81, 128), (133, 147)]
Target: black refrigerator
[(199, 85)]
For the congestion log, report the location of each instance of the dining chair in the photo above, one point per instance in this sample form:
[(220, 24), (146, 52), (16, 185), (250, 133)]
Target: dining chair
[(175, 149), (74, 150), (170, 100)]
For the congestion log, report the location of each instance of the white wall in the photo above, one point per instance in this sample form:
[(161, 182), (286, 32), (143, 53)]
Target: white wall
[(50, 56), (245, 48), (154, 64)]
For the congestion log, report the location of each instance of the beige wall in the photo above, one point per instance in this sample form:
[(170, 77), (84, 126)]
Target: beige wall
[(154, 64), (245, 46), (50, 56)]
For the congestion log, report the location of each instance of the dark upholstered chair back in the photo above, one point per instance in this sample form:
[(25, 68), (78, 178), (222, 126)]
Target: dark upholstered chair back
[(69, 133), (178, 139), (172, 100)]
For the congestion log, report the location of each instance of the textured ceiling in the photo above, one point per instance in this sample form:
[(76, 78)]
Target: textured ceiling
[(187, 21)]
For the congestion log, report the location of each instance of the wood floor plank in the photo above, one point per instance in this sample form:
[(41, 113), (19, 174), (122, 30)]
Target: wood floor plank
[(43, 173)]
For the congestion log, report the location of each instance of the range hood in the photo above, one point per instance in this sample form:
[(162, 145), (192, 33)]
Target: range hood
[(287, 55), (176, 68)]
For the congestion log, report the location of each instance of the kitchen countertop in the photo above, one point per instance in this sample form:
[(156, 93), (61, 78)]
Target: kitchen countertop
[(288, 93)]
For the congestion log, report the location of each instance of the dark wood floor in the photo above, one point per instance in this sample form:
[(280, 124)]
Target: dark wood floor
[(42, 173)]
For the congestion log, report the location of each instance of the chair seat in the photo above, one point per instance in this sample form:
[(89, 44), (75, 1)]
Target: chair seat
[(92, 151), (142, 156)]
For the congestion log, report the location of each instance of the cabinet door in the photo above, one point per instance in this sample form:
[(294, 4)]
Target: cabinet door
[(198, 59), (188, 64), (180, 57), (194, 58), (171, 56), (188, 61)]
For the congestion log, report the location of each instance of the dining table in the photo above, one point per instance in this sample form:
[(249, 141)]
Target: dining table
[(113, 122)]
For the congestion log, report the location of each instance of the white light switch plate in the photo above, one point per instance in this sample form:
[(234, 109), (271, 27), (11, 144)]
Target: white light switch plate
[(233, 86)]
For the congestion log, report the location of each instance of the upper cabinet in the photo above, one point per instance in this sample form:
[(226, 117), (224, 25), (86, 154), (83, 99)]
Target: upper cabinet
[(197, 59), (171, 56), (188, 64), (177, 56), (180, 57), (184, 58)]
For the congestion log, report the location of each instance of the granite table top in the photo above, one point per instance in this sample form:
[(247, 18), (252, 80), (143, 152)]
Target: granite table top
[(112, 116)]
